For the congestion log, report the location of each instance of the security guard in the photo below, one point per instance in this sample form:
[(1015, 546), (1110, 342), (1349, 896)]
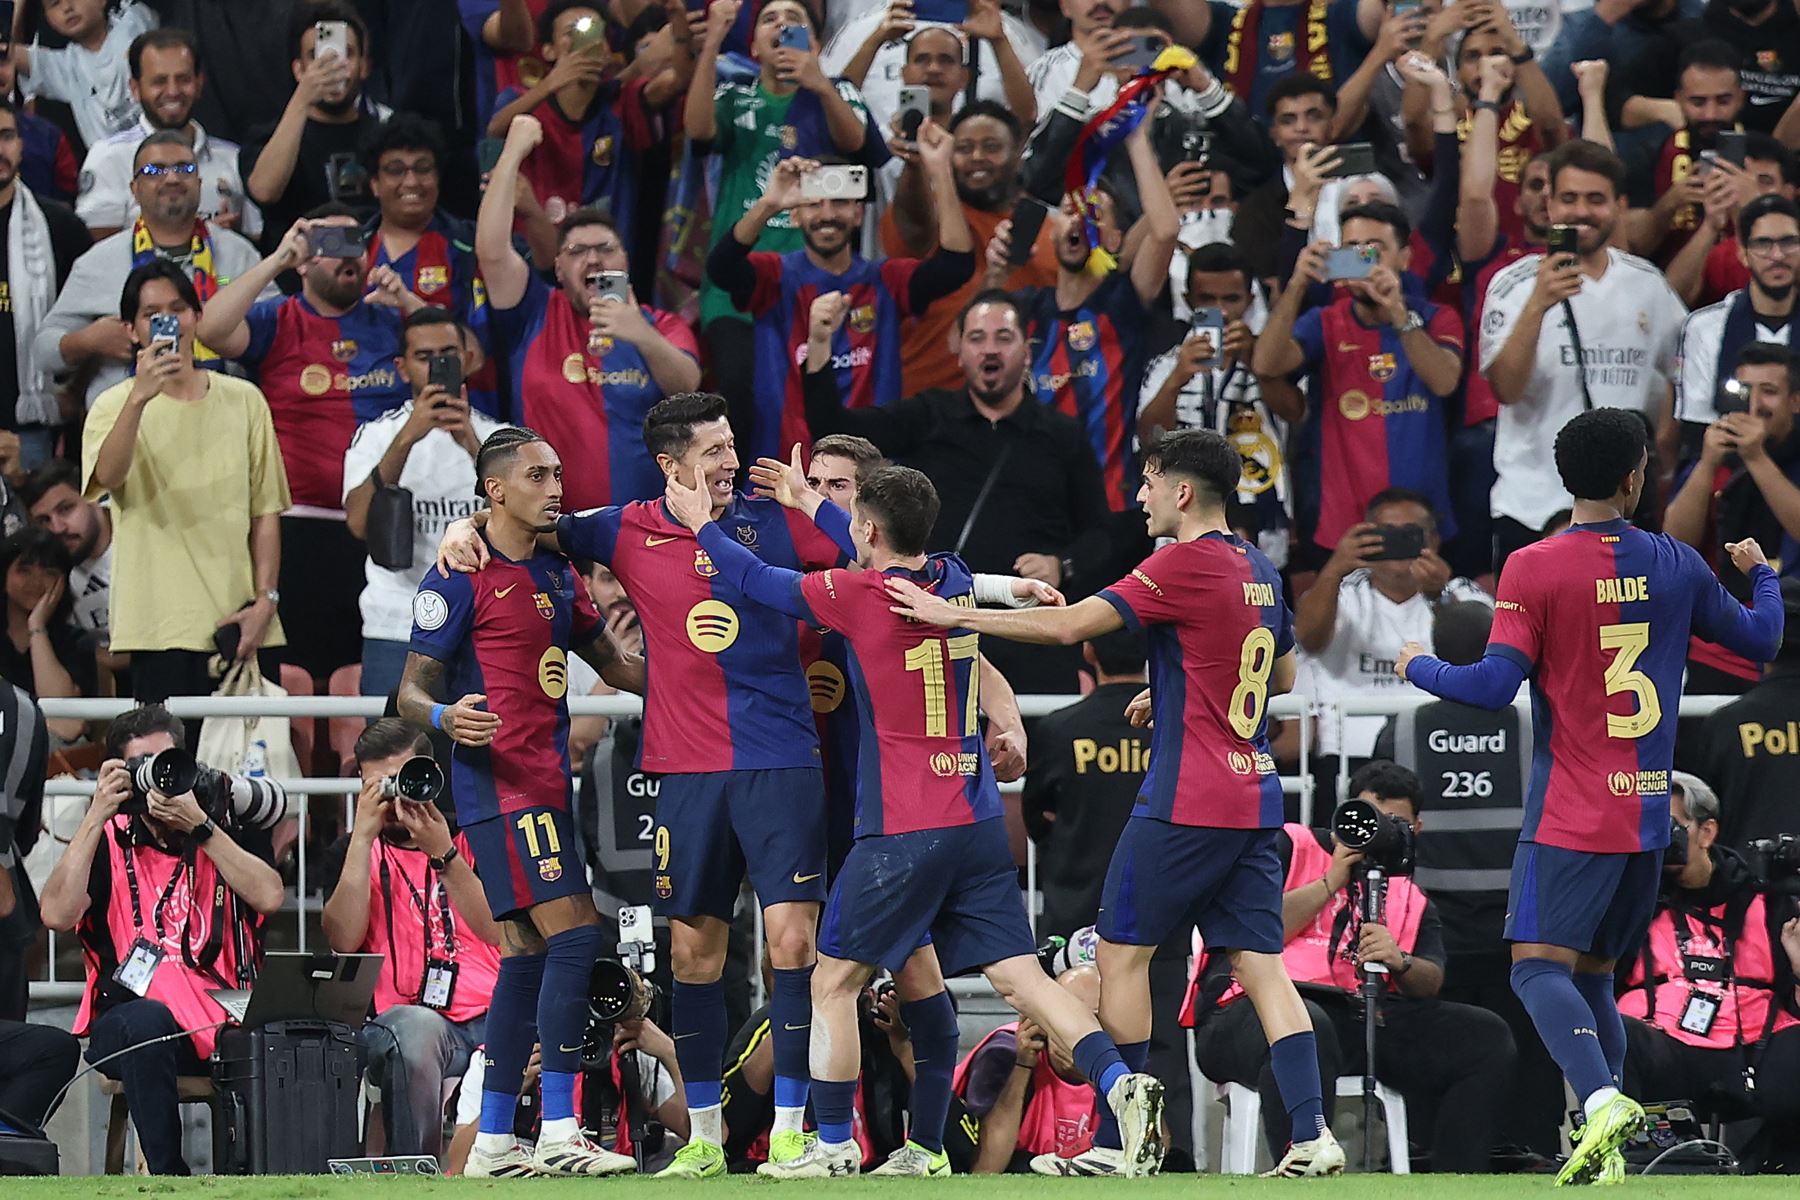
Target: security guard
[(1750, 749), (1713, 1014)]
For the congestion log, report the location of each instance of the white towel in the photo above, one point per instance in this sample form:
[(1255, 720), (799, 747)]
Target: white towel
[(31, 266)]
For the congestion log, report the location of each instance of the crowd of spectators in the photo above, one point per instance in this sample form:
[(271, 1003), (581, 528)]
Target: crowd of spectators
[(269, 273)]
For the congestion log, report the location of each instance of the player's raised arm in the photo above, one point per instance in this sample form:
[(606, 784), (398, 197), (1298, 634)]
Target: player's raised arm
[(417, 701), (1491, 683), (772, 587), (1754, 632), (1045, 626), (785, 483), (462, 548)]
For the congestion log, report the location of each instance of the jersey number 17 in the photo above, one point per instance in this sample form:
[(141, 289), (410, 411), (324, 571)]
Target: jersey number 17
[(936, 660)]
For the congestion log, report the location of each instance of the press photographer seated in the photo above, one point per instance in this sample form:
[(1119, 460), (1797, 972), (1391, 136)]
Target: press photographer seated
[(1450, 1060), (1710, 1000), (405, 888), (168, 907)]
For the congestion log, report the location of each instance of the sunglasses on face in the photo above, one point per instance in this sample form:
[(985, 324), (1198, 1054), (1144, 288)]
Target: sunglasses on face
[(158, 170)]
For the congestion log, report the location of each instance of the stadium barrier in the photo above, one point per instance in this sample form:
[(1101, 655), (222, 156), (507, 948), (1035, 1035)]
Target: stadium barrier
[(53, 989)]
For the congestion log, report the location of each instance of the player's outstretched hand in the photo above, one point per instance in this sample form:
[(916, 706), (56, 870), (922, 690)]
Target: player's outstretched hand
[(911, 600), (461, 549), (1745, 554), (1030, 593), (692, 506), (468, 725), (785, 482), (1006, 750), (1407, 653), (1138, 711)]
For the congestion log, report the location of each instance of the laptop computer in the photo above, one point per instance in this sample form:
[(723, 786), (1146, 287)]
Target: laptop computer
[(305, 987)]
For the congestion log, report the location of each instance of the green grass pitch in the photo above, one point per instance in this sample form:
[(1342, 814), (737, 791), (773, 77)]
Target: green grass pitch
[(989, 1187)]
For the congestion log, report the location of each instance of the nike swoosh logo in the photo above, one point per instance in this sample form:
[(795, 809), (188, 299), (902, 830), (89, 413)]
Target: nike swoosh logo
[(575, 1049), (656, 541), (502, 593), (792, 1028), (679, 1036), (799, 878)]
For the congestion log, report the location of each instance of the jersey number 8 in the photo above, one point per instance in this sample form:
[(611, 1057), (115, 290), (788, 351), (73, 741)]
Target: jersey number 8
[(1251, 695)]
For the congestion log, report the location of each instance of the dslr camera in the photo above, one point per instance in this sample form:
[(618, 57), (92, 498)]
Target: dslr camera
[(419, 779), (1775, 864), (1384, 840), (619, 989), (233, 800)]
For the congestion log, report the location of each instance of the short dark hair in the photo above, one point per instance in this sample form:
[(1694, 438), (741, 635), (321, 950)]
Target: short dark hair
[(1143, 17), (1771, 354), (669, 425), (860, 450), (1764, 148), (581, 218), (1296, 84), (1220, 258), (388, 737), (546, 22), (432, 314), (1597, 449), (988, 108), (164, 270), (48, 475), (1582, 155), (1772, 205), (311, 13), (32, 545), (402, 131), (1121, 651), (1390, 781), (167, 38), (162, 137), (333, 208), (498, 452), (1714, 53), (1401, 495), (1459, 631), (143, 721), (921, 31), (996, 296), (1202, 457), (1381, 212), (903, 503)]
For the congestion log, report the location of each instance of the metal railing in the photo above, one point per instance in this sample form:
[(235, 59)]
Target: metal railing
[(317, 707)]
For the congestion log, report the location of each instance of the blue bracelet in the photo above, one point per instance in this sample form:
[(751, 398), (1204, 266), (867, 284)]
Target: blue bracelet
[(437, 715)]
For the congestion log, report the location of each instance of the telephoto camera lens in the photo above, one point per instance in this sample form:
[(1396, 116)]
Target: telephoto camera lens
[(617, 993), (172, 772), (419, 779), (1385, 841)]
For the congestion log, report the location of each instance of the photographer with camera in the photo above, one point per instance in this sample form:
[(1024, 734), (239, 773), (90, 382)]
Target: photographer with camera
[(1710, 999), (168, 907), (1452, 1059), (1749, 747), (400, 885)]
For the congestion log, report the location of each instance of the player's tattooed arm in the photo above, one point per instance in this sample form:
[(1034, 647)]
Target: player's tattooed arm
[(417, 701), (618, 668)]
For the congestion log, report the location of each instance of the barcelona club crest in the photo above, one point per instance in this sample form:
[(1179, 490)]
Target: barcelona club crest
[(433, 279), (344, 349), (1081, 336), (703, 565), (1381, 367), (545, 609), (1281, 46), (550, 869)]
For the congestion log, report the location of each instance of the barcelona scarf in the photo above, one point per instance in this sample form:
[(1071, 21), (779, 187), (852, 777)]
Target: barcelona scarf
[(1103, 134), (199, 265), (1243, 47)]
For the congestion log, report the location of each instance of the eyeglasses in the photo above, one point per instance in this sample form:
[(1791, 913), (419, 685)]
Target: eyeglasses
[(399, 170), (158, 170), (1764, 247), (602, 248)]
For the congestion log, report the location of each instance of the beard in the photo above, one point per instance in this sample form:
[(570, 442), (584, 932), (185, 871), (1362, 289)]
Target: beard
[(338, 107), (988, 199), (1004, 385), (1778, 292), (811, 238), (341, 293)]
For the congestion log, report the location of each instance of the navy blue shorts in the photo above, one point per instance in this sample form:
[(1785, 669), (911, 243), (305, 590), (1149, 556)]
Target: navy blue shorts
[(957, 885), (711, 828), (1599, 904), (1164, 876), (527, 857)]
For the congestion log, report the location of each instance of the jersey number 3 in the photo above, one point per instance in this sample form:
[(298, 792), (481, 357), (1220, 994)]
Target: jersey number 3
[(1630, 640), (928, 658)]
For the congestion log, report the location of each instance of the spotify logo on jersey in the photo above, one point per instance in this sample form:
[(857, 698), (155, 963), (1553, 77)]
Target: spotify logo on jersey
[(712, 626), (826, 683), (553, 673)]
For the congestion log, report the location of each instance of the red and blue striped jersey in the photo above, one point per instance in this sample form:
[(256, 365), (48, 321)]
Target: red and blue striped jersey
[(587, 394), (323, 377), (590, 158), (506, 632), (1089, 362), (865, 352), (1598, 617), (726, 691), (1216, 621), (1378, 425), (441, 269)]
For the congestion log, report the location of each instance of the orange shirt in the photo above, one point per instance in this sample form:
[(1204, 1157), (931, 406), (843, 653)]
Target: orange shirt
[(925, 358)]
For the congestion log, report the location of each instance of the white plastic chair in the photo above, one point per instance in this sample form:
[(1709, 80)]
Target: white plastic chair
[(1243, 1125)]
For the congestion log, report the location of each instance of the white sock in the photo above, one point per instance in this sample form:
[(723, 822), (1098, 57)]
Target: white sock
[(1599, 1100), (559, 1129), (707, 1125), (493, 1143), (789, 1120)]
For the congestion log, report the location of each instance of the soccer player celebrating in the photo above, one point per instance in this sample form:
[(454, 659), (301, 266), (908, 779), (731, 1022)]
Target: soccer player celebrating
[(1598, 618), (931, 852), (499, 638), (728, 726), (1201, 845)]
